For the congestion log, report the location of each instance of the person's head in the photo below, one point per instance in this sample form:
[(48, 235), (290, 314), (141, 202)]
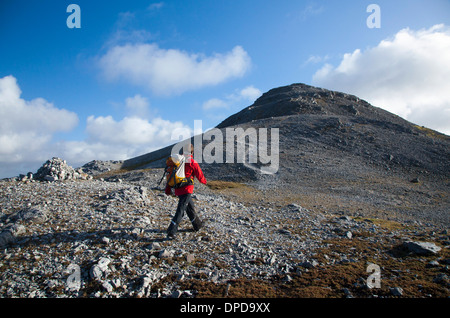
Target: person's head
[(189, 150)]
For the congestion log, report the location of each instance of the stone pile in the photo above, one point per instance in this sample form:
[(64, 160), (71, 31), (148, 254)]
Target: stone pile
[(55, 169)]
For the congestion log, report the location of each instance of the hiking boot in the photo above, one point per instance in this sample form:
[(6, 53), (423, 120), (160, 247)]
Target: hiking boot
[(172, 230), (197, 224), (170, 236)]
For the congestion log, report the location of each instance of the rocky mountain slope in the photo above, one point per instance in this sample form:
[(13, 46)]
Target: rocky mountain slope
[(359, 207), (105, 237), (338, 149)]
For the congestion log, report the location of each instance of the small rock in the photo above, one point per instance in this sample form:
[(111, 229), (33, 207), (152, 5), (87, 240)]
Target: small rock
[(177, 294), (9, 235), (442, 279), (52, 283), (347, 293), (294, 207), (433, 264), (190, 258), (108, 287), (287, 278), (346, 218), (100, 268), (166, 253), (35, 215), (103, 263), (144, 221), (116, 283), (155, 246), (96, 272), (271, 260), (396, 291), (284, 231), (137, 231), (309, 264), (146, 281), (421, 248), (50, 178)]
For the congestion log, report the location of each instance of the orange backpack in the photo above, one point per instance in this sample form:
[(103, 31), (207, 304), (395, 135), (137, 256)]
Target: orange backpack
[(175, 172)]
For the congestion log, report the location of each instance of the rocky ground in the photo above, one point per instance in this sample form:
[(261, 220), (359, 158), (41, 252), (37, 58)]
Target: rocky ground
[(359, 207), (104, 237)]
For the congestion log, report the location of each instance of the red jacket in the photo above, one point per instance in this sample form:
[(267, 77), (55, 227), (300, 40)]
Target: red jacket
[(191, 169)]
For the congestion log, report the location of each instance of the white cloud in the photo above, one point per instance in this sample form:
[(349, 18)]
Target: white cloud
[(110, 139), (138, 106), (310, 10), (26, 127), (248, 94), (215, 103), (169, 72), (155, 6), (130, 131), (315, 59), (408, 75)]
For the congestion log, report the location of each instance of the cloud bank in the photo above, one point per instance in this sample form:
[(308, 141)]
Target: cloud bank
[(28, 128), (247, 94), (171, 72), (408, 75), (110, 139)]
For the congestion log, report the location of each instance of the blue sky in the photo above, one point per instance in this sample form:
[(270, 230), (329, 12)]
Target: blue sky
[(137, 70)]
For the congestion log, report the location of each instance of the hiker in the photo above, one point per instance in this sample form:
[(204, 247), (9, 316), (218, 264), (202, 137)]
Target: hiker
[(185, 203)]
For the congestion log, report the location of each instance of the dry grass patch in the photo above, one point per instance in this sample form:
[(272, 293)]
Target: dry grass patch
[(236, 191), (431, 133), (387, 224), (411, 273), (225, 185)]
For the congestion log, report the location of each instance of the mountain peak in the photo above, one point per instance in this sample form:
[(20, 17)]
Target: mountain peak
[(330, 125), (297, 99)]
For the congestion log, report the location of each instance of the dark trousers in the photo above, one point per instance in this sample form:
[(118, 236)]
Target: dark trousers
[(185, 204)]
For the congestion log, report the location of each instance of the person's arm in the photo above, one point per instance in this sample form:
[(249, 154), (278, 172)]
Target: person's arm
[(168, 190), (199, 173)]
